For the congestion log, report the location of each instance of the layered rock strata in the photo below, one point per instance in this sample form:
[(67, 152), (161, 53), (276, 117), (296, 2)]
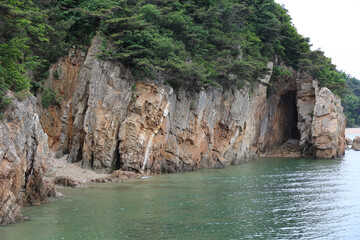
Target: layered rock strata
[(26, 164), (111, 122)]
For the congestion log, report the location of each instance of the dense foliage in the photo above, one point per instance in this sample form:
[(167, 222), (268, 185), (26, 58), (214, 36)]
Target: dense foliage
[(191, 43), (351, 102)]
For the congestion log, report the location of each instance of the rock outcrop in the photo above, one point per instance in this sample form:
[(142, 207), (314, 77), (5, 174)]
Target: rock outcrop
[(26, 164), (113, 122), (328, 128), (356, 143)]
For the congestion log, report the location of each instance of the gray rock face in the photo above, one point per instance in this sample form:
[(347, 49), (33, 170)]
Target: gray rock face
[(112, 122), (93, 115), (307, 89), (26, 164)]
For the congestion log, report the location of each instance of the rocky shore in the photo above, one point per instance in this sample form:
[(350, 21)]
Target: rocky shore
[(110, 127), (73, 175)]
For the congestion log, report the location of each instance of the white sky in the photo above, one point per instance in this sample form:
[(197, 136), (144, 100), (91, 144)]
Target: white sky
[(333, 26)]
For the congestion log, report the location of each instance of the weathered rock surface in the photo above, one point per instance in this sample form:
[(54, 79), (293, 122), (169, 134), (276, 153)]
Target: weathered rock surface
[(328, 128), (307, 89), (111, 122), (63, 77), (356, 143), (26, 164)]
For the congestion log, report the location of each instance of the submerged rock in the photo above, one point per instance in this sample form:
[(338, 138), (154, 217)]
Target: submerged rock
[(26, 164)]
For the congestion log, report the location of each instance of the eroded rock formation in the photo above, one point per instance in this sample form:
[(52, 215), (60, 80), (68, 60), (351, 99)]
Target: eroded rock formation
[(111, 122), (26, 164)]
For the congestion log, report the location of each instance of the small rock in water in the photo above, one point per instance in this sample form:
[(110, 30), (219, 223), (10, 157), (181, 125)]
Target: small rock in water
[(59, 194), (356, 143), (348, 143), (67, 182)]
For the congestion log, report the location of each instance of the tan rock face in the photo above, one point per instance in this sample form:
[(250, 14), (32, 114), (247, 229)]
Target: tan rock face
[(63, 80), (26, 165), (328, 127), (112, 122), (165, 132)]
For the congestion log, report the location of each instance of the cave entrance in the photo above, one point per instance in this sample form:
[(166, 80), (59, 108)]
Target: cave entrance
[(289, 116)]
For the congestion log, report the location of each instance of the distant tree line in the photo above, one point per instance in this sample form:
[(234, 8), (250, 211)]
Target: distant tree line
[(351, 101)]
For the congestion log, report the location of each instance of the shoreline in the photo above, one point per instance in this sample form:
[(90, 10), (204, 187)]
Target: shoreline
[(352, 130), (73, 175)]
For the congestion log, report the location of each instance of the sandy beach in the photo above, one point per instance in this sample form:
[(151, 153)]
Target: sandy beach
[(75, 172), (352, 131)]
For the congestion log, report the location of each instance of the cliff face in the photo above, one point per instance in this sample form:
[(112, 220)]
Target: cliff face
[(26, 165), (112, 122), (63, 77), (328, 128)]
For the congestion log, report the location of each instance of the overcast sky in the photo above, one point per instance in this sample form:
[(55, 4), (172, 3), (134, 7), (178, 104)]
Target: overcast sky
[(333, 26)]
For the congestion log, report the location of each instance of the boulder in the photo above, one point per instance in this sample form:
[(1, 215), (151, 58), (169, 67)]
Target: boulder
[(67, 182), (356, 143)]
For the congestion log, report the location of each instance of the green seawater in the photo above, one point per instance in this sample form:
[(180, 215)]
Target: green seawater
[(259, 199)]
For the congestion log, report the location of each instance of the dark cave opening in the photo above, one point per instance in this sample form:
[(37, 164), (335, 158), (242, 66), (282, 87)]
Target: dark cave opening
[(289, 116)]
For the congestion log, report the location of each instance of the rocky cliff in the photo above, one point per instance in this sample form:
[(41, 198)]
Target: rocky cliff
[(108, 121), (26, 164)]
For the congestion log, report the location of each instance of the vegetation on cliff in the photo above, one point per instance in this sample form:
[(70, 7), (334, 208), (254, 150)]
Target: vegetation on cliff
[(351, 102), (191, 43)]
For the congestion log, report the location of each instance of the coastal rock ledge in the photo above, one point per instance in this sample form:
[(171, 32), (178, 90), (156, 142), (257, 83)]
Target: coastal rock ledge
[(26, 164)]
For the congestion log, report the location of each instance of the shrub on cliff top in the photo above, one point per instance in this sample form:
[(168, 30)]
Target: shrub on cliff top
[(187, 43)]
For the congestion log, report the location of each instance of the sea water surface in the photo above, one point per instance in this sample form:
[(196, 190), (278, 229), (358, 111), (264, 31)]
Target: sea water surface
[(261, 199)]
